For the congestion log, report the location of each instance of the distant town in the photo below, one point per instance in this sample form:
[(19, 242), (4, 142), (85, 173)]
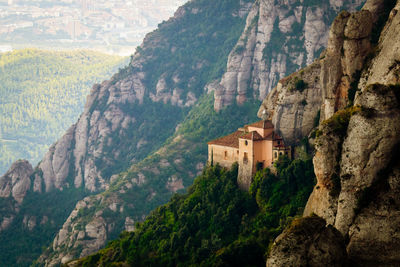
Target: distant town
[(112, 26)]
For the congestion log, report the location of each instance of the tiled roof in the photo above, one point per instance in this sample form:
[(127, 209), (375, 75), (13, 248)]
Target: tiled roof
[(262, 124), (231, 140), (277, 137), (252, 136)]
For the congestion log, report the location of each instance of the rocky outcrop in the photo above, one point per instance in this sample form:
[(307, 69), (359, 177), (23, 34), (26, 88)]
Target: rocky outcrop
[(89, 236), (362, 158), (330, 79), (293, 105), (356, 160), (15, 182), (366, 206), (74, 156), (14, 185), (280, 37), (308, 242)]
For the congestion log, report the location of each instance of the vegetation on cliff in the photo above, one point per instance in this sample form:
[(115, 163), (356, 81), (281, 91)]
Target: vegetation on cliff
[(215, 223)]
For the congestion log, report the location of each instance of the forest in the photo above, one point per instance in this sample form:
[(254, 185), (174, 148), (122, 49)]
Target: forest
[(215, 223), (41, 94)]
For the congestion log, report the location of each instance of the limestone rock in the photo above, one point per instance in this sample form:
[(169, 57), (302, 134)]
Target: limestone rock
[(294, 103), (174, 184), (356, 160), (16, 181), (308, 242), (385, 65), (129, 224), (91, 235), (280, 37), (326, 161), (376, 228)]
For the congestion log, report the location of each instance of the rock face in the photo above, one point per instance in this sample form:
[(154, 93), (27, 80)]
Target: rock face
[(308, 242), (16, 181), (356, 161), (328, 80), (72, 160), (90, 236), (293, 105), (366, 206), (14, 185), (280, 37)]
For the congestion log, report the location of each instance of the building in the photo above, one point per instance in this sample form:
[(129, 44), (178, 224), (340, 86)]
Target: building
[(254, 146)]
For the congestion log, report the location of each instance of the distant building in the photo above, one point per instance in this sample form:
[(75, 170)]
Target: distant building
[(253, 146)]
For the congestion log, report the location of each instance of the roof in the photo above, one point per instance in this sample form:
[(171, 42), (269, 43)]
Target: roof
[(262, 124), (231, 140), (277, 137), (252, 136)]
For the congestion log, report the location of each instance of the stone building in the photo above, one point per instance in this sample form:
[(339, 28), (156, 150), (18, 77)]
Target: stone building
[(253, 146)]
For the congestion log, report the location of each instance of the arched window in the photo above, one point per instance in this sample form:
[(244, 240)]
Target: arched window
[(276, 154), (246, 143), (245, 158)]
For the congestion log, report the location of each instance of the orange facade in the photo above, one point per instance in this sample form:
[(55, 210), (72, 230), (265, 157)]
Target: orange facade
[(255, 145)]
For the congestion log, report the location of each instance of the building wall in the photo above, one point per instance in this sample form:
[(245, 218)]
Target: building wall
[(223, 155), (246, 163), (263, 153), (276, 152)]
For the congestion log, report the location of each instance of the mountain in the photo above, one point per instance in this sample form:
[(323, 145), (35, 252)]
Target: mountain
[(351, 217), (42, 94), (356, 143), (141, 138), (125, 119), (279, 38)]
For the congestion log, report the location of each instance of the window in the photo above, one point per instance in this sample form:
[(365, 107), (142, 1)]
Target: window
[(279, 142), (286, 153), (245, 142), (226, 154), (276, 154), (245, 158), (280, 153), (237, 152)]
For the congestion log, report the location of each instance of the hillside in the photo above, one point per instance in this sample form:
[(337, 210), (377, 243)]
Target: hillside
[(42, 93), (215, 223), (141, 137), (124, 121)]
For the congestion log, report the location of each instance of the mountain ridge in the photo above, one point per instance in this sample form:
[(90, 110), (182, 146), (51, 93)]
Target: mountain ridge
[(112, 116)]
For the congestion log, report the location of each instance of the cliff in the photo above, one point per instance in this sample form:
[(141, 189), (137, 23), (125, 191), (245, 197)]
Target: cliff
[(356, 143), (280, 37), (299, 102)]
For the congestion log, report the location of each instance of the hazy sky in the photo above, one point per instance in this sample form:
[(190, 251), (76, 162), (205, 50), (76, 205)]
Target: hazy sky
[(113, 26)]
